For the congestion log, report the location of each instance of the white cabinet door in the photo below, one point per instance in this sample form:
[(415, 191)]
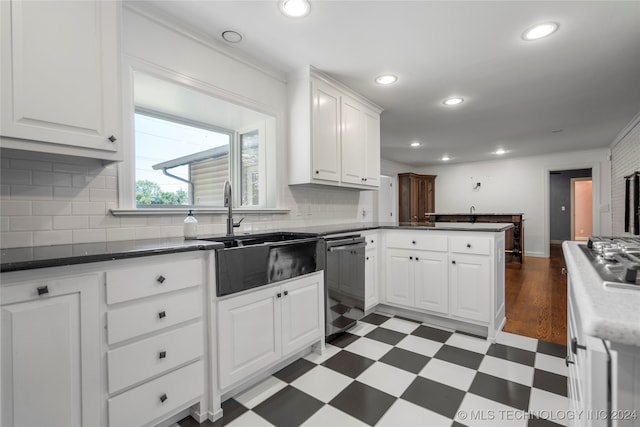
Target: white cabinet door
[(326, 132), (302, 315), (249, 334), (431, 281), (371, 278), (353, 143), (60, 76), (470, 280), (372, 148), (50, 353), (399, 277)]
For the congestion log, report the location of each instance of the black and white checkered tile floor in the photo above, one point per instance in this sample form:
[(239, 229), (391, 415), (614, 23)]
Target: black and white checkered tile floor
[(389, 371)]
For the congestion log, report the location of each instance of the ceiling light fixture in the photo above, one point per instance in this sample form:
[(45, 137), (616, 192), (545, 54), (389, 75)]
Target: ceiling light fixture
[(232, 36), (501, 151), (415, 144), (456, 100), (386, 79), (446, 158), (295, 8), (539, 31)]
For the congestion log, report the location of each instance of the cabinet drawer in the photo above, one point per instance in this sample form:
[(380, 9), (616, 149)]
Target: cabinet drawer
[(157, 398), (150, 316), (470, 245), (417, 240), (144, 359), (151, 279)]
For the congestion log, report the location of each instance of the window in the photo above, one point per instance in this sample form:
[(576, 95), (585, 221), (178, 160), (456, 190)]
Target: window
[(188, 143)]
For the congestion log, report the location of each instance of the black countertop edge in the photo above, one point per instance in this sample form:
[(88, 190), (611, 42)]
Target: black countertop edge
[(29, 258), (17, 259)]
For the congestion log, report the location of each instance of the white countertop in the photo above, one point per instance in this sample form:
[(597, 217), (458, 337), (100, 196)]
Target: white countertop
[(608, 313)]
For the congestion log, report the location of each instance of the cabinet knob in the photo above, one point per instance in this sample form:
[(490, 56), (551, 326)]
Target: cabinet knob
[(469, 245), (564, 271), (417, 259), (112, 138), (162, 355), (161, 279), (413, 242), (42, 290), (163, 397), (411, 257), (367, 258), (279, 295), (286, 293), (317, 172), (453, 262), (162, 314)]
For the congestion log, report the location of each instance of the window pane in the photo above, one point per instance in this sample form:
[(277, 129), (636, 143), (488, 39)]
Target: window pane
[(196, 160), (250, 172)]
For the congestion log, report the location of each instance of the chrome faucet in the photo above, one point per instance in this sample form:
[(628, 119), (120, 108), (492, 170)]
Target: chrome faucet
[(228, 202), (471, 210)]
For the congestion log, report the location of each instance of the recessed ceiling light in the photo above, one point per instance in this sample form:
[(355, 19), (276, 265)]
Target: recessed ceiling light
[(446, 158), (557, 130), (540, 31), (295, 8), (415, 144), (232, 36), (386, 79), (453, 101), (501, 151)]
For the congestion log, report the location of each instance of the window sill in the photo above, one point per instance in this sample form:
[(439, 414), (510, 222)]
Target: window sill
[(196, 211)]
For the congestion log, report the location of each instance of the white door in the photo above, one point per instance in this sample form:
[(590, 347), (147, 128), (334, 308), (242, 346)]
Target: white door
[(399, 277), (431, 281), (302, 312), (470, 286), (50, 353), (326, 132), (249, 335)]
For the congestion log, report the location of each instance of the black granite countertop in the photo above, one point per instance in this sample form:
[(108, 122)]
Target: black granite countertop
[(16, 259)]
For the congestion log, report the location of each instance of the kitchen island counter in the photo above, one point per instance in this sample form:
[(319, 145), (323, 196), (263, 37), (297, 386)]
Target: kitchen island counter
[(608, 313)]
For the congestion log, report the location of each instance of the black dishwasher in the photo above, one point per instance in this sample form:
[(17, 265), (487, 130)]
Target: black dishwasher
[(344, 282)]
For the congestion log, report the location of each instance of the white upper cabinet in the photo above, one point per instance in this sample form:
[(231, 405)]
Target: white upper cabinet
[(334, 134), (60, 77)]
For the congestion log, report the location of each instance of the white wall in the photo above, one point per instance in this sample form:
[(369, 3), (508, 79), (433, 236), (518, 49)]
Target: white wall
[(521, 186), (625, 160)]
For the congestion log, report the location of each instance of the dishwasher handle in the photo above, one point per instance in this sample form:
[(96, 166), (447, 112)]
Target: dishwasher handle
[(347, 247)]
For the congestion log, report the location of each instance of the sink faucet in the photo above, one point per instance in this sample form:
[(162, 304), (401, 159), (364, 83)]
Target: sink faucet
[(228, 202), (471, 210)]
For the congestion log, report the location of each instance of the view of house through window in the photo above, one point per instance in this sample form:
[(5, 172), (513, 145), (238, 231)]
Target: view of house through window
[(180, 163), (250, 168)]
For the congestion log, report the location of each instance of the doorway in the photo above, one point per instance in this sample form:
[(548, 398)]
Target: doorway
[(565, 213), (581, 211)]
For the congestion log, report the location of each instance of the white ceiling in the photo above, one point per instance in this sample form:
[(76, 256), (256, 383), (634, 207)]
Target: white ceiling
[(584, 79)]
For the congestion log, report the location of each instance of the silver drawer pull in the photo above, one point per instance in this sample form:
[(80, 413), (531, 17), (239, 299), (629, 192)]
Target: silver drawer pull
[(163, 397), (162, 355), (162, 314), (43, 290)]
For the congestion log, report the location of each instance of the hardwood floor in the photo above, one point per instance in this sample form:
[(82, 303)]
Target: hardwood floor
[(536, 297)]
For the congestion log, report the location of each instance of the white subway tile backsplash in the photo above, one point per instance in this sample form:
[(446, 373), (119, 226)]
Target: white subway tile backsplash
[(51, 178), (16, 239), (69, 168), (70, 222), (103, 194), (89, 235), (111, 182), (15, 208), (69, 193), (30, 223), (5, 191), (51, 207), (31, 192), (119, 234), (13, 177), (625, 159), (4, 224), (46, 238), (88, 208), (101, 221), (88, 181), (30, 165)]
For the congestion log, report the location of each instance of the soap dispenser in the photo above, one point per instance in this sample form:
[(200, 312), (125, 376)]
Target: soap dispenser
[(190, 226)]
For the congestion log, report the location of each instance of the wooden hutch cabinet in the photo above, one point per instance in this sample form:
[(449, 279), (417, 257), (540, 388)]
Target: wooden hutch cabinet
[(417, 197)]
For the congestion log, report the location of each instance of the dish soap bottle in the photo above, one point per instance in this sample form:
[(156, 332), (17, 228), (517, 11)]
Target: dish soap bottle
[(190, 226)]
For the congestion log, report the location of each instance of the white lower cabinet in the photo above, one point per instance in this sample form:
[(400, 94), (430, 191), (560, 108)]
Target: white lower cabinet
[(417, 279), (370, 278), (256, 329), (470, 286), (50, 352)]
